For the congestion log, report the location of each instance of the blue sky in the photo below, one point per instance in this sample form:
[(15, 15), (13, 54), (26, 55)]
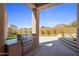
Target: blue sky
[(21, 15)]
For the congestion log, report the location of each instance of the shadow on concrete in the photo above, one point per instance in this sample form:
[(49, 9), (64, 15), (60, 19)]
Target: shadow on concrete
[(53, 48)]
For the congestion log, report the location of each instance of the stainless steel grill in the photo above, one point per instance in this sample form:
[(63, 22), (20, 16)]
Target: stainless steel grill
[(26, 42)]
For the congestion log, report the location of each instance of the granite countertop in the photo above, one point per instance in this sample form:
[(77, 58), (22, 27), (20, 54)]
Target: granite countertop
[(10, 42), (13, 41)]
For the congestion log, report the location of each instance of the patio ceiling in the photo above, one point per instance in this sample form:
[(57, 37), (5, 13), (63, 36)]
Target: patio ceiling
[(41, 5)]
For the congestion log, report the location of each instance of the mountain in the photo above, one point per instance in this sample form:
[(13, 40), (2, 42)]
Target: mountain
[(59, 26)]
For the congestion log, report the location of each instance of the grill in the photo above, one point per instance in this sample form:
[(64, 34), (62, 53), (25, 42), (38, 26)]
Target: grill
[(26, 42)]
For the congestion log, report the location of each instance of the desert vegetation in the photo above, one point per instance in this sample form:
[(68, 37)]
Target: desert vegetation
[(62, 29)]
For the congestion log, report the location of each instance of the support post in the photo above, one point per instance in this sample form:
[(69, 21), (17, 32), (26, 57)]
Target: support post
[(2, 27), (35, 27), (78, 23)]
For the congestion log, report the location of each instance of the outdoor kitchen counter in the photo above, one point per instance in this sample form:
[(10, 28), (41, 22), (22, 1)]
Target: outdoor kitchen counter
[(10, 42), (19, 47), (13, 47)]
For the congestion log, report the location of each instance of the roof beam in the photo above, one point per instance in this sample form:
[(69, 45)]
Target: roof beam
[(42, 6), (31, 5)]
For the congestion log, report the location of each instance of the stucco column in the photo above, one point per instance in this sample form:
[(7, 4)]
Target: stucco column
[(35, 27), (6, 26), (2, 27), (78, 23)]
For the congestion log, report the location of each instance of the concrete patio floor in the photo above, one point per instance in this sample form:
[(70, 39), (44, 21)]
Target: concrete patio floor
[(50, 46)]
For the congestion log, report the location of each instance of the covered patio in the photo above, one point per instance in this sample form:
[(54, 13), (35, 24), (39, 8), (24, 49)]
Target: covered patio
[(52, 47), (15, 49)]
